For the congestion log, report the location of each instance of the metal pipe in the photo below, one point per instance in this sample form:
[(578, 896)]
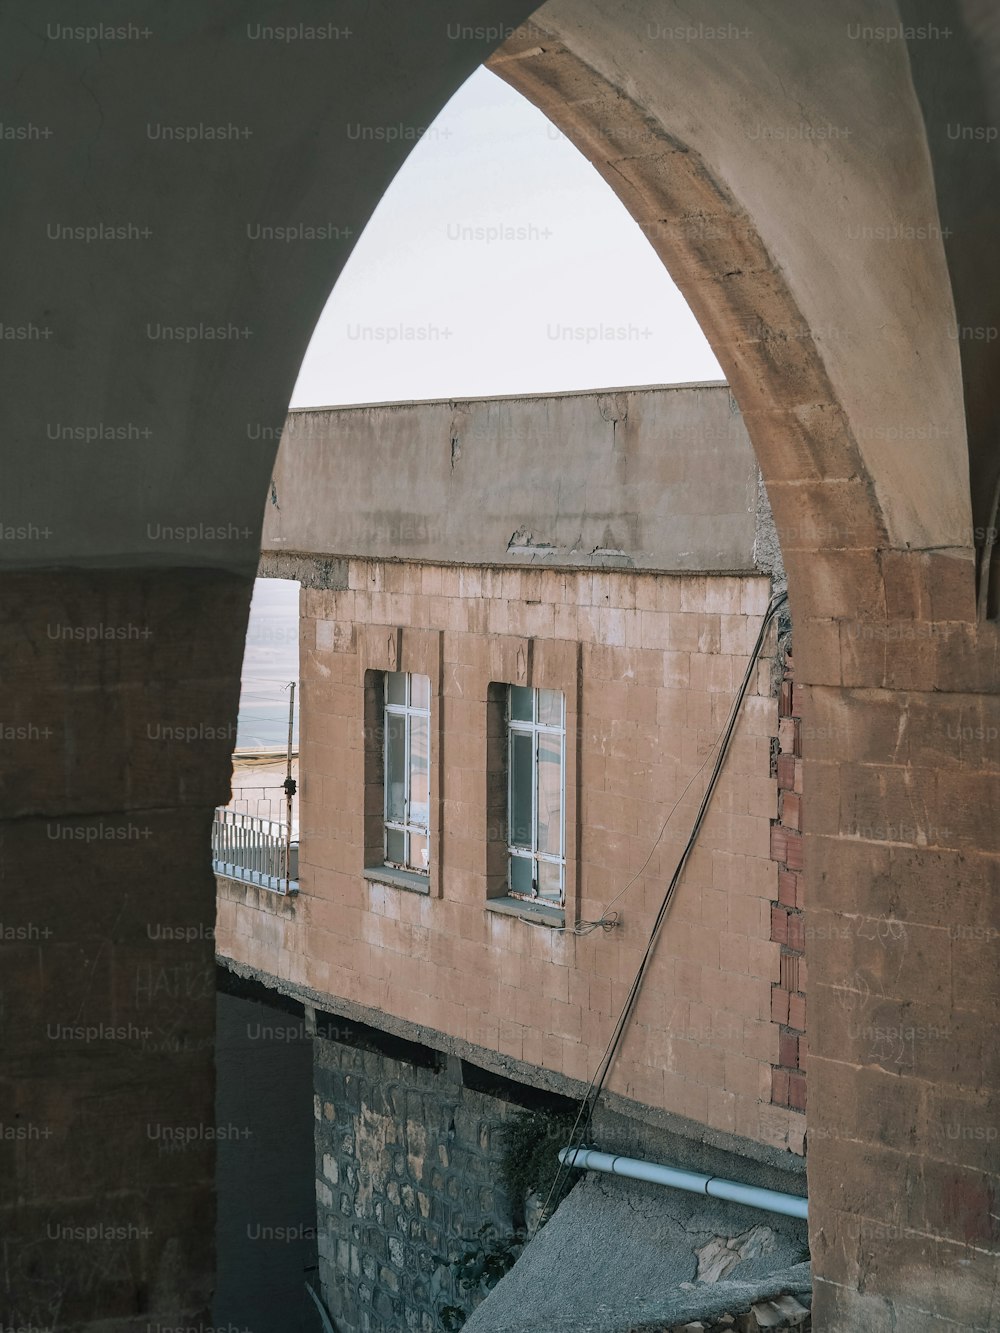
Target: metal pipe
[(773, 1201)]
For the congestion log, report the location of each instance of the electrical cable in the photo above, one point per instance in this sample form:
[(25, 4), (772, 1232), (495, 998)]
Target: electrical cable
[(593, 1092), (608, 919)]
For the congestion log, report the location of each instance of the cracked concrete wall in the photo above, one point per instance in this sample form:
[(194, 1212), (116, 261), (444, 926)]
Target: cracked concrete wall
[(652, 478)]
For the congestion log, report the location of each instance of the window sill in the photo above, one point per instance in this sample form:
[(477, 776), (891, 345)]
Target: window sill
[(538, 914), (398, 879)]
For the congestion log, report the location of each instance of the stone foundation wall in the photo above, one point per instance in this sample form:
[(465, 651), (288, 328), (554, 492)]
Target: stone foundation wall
[(407, 1164)]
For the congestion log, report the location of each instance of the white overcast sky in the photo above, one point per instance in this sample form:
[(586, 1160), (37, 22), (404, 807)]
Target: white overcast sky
[(578, 261)]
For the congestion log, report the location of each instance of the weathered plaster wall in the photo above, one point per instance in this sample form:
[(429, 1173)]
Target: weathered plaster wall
[(653, 478), (192, 131)]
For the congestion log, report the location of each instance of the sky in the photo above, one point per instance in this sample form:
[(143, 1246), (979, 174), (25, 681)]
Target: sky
[(270, 662), (499, 262), (502, 245)]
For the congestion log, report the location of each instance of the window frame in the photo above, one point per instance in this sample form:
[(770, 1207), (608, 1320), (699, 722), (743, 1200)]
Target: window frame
[(407, 711), (536, 729)]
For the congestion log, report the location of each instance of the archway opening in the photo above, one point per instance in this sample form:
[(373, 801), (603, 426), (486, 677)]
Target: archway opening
[(498, 262), (613, 418)]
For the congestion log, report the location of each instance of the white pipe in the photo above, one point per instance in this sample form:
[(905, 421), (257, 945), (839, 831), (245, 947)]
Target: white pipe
[(792, 1205)]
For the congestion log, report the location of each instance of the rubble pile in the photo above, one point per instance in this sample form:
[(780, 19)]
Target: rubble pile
[(783, 1312)]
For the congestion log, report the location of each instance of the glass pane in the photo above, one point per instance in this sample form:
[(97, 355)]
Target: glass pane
[(395, 687), (550, 708), (520, 875), (521, 700), (418, 851), (395, 846), (520, 790), (420, 691), (549, 794), (395, 767), (419, 771), (550, 879)]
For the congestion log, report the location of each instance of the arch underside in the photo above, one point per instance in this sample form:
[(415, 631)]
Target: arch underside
[(839, 352), (829, 491)]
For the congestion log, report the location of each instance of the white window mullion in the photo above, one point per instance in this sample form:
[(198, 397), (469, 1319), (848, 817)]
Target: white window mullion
[(551, 735), (407, 776), (398, 720), (534, 809), (562, 800)]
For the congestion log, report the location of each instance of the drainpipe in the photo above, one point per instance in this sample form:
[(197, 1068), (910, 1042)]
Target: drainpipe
[(792, 1205)]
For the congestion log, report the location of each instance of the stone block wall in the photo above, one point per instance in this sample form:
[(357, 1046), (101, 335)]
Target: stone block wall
[(902, 854), (649, 665), (114, 749), (407, 1165)]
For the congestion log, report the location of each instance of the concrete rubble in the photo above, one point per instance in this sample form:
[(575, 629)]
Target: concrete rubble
[(623, 1257), (781, 1313)]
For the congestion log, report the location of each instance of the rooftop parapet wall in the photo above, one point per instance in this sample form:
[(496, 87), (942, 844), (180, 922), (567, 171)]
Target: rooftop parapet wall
[(649, 479)]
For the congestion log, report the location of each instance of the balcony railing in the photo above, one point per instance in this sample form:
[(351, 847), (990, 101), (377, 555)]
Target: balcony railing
[(254, 851)]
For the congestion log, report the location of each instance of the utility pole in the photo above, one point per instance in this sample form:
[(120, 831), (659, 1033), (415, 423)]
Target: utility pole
[(289, 786)]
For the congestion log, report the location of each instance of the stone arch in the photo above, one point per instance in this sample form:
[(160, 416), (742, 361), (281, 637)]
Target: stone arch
[(852, 390), (835, 481)]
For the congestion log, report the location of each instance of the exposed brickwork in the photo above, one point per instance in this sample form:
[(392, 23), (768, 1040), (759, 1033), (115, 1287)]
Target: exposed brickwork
[(788, 1001), (649, 665)]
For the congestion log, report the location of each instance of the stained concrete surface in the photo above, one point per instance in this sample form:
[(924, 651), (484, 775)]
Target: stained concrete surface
[(265, 1171), (662, 477), (620, 1256)]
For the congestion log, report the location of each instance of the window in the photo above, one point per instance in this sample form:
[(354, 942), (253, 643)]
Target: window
[(536, 794), (406, 770)]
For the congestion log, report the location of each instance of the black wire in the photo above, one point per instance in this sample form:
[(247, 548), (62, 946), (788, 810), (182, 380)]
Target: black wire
[(593, 1093)]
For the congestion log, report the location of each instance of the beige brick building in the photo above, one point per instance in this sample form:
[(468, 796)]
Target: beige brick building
[(517, 948)]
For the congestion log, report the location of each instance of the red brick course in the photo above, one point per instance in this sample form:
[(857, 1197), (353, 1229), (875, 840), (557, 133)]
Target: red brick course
[(788, 1001)]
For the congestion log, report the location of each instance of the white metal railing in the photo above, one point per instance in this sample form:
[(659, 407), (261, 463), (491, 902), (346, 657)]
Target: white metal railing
[(254, 851)]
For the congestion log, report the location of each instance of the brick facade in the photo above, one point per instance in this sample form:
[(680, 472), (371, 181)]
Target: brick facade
[(649, 665)]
